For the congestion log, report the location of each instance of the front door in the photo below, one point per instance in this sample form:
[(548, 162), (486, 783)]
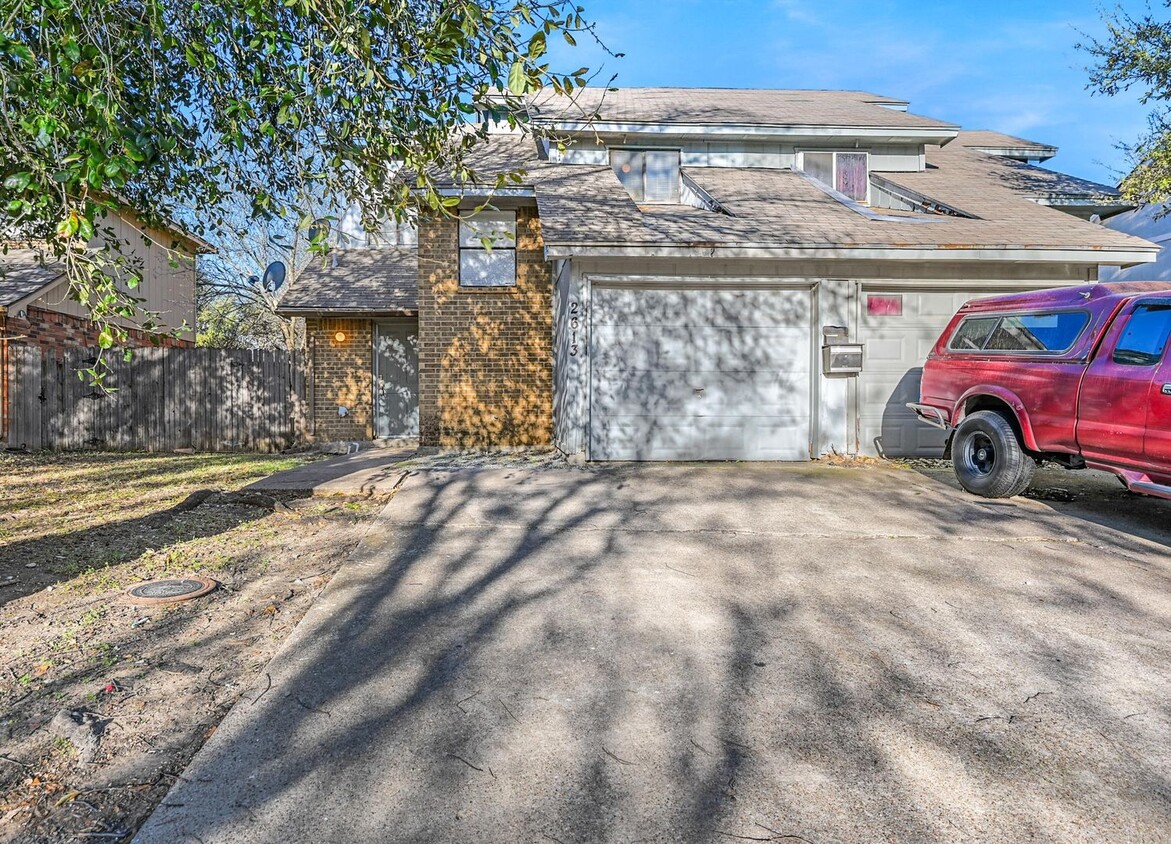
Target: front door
[(396, 378)]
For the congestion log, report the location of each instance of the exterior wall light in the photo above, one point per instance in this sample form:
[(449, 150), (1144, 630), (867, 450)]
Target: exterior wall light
[(340, 337)]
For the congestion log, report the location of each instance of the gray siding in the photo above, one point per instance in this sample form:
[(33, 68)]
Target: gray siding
[(884, 158)]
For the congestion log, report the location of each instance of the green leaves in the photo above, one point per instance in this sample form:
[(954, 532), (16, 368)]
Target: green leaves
[(518, 80), (68, 227), (179, 109), (1137, 55), (18, 181)]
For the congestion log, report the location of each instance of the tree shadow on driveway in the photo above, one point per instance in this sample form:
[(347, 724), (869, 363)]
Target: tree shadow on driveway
[(702, 653)]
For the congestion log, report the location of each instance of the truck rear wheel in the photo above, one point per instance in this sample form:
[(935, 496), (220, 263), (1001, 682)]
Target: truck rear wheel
[(987, 457)]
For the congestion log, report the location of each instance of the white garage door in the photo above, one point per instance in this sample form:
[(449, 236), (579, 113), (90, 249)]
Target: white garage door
[(700, 374), (899, 329)]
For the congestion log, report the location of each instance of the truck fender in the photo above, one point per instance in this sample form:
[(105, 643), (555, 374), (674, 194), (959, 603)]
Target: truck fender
[(1003, 397)]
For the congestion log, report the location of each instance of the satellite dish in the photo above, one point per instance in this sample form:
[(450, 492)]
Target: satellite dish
[(274, 277), (319, 228), (1096, 218)]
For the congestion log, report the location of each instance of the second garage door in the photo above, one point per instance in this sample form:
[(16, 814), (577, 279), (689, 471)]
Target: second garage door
[(899, 329), (699, 373)]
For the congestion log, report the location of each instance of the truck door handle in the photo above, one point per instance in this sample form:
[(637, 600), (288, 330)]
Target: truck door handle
[(1166, 389)]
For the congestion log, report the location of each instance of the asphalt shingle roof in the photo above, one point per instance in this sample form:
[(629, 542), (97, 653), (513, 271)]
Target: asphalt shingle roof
[(586, 205), (23, 273), (1039, 182), (377, 280), (732, 106)]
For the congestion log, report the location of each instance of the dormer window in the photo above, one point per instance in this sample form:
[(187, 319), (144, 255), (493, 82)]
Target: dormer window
[(651, 176), (847, 172)]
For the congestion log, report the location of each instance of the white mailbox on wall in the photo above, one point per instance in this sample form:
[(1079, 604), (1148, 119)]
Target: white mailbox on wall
[(841, 358)]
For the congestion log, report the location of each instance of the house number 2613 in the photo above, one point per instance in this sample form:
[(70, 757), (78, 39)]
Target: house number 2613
[(574, 327)]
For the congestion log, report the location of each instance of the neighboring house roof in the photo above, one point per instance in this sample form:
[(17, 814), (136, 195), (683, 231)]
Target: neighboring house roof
[(729, 107), (1007, 146), (1154, 223), (375, 280), (23, 273), (781, 213)]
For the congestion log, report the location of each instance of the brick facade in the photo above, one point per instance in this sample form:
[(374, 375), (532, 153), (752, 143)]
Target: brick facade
[(342, 374), (485, 355), (57, 332)]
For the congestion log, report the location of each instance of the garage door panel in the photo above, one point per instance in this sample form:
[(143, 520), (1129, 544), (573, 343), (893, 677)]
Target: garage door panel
[(618, 347), (701, 438), (679, 348), (721, 308), (707, 393), (700, 374)]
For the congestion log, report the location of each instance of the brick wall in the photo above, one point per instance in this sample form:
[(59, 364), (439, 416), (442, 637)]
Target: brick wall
[(342, 374), (486, 355), (58, 332)]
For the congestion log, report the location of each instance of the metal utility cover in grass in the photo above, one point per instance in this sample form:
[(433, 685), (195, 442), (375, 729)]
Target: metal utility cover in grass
[(170, 590)]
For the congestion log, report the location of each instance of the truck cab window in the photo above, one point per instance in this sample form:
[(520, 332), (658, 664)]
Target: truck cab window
[(1144, 337)]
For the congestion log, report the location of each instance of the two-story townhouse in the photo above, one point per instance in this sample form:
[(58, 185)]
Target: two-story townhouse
[(696, 274)]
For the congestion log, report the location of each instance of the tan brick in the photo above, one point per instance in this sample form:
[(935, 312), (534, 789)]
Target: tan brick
[(342, 374), (486, 356)]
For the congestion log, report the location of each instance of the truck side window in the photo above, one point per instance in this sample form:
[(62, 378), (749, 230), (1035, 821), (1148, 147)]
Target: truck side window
[(1144, 337), (1051, 332), (973, 333)]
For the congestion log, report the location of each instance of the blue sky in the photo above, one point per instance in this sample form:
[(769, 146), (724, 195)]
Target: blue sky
[(1008, 66)]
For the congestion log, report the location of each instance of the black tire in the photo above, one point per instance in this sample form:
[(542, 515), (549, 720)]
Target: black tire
[(987, 457)]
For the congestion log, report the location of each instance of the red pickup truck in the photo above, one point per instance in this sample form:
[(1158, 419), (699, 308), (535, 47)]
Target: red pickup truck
[(1075, 375)]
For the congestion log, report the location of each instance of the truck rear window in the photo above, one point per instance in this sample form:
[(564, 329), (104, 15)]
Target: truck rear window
[(1044, 333)]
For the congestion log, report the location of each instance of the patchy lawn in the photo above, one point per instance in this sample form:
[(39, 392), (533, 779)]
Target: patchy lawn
[(103, 702)]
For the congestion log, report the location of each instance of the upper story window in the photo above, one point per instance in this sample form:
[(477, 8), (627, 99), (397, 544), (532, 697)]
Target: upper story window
[(846, 172), (352, 235), (651, 176), (1145, 336), (487, 249)]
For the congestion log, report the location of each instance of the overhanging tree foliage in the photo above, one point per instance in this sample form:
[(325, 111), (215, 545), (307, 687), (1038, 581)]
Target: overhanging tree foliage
[(1136, 54), (177, 108)]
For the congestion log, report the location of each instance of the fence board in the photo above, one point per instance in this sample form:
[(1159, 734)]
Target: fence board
[(160, 400)]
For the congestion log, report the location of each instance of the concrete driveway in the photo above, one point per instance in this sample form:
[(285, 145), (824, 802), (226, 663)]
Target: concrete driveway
[(702, 654)]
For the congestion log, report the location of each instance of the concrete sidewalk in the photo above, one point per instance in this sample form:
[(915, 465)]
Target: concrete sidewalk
[(703, 654), (367, 472)]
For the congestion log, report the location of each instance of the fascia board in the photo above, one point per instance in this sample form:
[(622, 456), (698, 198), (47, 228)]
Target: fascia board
[(1010, 254), (1034, 153)]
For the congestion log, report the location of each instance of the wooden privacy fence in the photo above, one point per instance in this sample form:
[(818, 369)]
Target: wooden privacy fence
[(159, 400)]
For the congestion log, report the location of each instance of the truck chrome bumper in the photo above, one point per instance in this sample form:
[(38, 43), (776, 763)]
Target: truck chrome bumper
[(931, 415)]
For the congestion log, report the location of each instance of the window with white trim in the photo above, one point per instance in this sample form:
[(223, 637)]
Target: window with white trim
[(846, 172), (487, 249), (650, 176)]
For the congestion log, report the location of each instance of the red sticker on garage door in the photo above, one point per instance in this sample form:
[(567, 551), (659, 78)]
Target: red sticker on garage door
[(877, 305)]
